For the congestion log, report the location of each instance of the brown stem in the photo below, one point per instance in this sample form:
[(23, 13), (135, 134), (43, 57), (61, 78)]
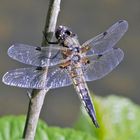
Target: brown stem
[(38, 96)]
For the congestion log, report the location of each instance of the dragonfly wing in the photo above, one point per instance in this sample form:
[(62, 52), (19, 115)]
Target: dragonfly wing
[(102, 65), (24, 78), (36, 56), (58, 77), (106, 40), (36, 78)]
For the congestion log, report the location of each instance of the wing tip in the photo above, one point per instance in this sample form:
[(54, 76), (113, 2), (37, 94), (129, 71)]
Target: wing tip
[(120, 53), (14, 45), (4, 79), (9, 79), (125, 23), (10, 50)]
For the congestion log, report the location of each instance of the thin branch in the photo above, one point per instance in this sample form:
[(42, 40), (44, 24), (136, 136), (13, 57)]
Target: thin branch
[(38, 96)]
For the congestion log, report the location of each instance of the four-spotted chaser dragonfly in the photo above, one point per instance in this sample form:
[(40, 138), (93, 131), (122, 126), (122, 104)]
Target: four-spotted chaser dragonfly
[(68, 61)]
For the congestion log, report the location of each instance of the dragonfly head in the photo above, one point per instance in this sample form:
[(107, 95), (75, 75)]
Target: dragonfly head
[(62, 32)]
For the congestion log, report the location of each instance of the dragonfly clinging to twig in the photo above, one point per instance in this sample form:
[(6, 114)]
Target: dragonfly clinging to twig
[(68, 62)]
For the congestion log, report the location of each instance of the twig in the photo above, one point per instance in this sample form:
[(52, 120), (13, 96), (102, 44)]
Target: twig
[(37, 96)]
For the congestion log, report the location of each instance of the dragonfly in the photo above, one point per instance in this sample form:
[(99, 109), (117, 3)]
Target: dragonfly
[(68, 62)]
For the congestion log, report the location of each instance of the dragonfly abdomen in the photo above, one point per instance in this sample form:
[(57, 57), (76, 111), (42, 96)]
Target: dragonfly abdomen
[(83, 92), (87, 102)]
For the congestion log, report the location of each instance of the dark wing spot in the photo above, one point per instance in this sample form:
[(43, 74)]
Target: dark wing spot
[(39, 68), (100, 55), (38, 48), (120, 21), (105, 33)]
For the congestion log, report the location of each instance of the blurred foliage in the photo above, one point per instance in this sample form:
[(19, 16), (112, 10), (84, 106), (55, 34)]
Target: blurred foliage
[(118, 118), (11, 128)]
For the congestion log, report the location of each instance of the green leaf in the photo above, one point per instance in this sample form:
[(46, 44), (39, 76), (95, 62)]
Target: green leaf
[(11, 128), (118, 117)]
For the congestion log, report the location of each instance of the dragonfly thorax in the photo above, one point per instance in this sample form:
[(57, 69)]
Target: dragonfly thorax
[(75, 58), (74, 49)]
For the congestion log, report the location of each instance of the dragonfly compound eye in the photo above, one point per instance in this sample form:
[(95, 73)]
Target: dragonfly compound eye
[(58, 33), (67, 32)]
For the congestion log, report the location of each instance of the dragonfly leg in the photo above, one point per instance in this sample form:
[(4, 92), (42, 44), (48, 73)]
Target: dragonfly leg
[(49, 42), (29, 94), (65, 64)]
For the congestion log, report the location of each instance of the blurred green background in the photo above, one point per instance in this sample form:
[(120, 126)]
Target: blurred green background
[(23, 22)]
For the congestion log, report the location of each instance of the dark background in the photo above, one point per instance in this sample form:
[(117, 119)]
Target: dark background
[(22, 21)]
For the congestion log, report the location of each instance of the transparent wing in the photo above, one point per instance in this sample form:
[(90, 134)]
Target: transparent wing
[(103, 65), (36, 78), (36, 56), (25, 78), (105, 41), (57, 77)]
